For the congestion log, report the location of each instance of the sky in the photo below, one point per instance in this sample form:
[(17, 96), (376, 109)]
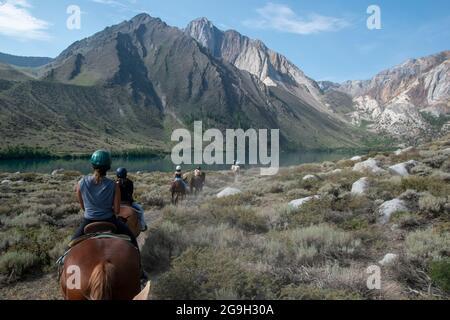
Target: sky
[(327, 39)]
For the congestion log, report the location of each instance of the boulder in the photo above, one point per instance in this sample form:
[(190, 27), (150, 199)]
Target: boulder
[(370, 165), (299, 202), (388, 259), (57, 171), (228, 192), (356, 158), (401, 151), (309, 177), (4, 182), (360, 187), (403, 169), (389, 207)]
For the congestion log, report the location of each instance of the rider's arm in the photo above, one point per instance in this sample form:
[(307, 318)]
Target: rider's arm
[(117, 198), (79, 197)]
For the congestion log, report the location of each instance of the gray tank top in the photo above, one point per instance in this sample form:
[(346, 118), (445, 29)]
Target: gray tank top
[(98, 199)]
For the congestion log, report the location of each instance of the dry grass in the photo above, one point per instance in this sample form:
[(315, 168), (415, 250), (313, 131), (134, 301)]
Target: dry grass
[(253, 245)]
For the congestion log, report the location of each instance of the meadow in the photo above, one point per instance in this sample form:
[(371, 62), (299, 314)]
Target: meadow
[(254, 244)]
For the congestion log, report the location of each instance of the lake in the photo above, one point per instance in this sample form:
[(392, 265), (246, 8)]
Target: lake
[(156, 164)]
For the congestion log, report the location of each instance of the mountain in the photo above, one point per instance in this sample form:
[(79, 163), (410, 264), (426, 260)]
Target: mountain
[(407, 100), (8, 72), (28, 62), (131, 84), (392, 102), (254, 57)]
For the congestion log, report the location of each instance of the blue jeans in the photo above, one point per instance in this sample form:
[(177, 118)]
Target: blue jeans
[(140, 213)]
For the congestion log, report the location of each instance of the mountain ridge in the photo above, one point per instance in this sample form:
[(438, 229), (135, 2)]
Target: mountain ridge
[(160, 69)]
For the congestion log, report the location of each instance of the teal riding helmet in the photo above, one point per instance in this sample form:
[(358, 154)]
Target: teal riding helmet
[(101, 159)]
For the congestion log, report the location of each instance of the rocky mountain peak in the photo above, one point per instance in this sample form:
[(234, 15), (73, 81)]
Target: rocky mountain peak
[(253, 56)]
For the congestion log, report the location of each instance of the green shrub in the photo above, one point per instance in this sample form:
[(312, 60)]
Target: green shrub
[(245, 198), (431, 204), (207, 273), (239, 216), (17, 263), (426, 244), (309, 245), (165, 241), (440, 273), (407, 220), (309, 292), (434, 186)]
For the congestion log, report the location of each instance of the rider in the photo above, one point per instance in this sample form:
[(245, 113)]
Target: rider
[(99, 197), (179, 176), (126, 192), (198, 172)]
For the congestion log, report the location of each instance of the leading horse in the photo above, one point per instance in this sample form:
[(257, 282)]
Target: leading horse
[(102, 269)]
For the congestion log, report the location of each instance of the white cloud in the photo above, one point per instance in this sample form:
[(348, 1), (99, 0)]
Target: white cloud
[(16, 21), (282, 18), (124, 5)]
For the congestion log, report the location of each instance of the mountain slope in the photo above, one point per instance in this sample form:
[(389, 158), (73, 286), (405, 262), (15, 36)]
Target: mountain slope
[(147, 67), (71, 119), (253, 56), (8, 72), (28, 62), (395, 99), (392, 102)]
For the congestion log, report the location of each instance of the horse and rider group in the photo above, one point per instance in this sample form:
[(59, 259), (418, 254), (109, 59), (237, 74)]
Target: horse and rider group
[(103, 259)]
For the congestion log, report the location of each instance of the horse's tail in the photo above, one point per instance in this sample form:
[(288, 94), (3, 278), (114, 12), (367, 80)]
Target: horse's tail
[(101, 281)]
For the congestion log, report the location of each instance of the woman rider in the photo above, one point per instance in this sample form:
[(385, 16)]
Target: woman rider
[(99, 197)]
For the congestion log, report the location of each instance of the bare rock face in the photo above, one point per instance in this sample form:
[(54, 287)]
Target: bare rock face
[(394, 99), (272, 68)]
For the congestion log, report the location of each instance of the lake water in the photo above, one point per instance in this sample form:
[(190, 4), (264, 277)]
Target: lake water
[(154, 164)]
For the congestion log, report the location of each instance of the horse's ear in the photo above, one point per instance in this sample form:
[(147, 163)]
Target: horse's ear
[(143, 295)]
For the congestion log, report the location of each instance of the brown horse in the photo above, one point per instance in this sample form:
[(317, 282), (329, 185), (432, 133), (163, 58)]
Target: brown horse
[(129, 215), (102, 269), (178, 191), (196, 183)]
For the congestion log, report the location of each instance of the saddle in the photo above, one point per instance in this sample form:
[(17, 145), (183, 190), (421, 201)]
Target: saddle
[(99, 230)]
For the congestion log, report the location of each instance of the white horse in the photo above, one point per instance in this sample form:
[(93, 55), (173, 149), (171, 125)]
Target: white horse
[(236, 169)]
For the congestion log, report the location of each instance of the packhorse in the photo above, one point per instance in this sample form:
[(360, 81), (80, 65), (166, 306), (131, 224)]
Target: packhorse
[(102, 267), (196, 183)]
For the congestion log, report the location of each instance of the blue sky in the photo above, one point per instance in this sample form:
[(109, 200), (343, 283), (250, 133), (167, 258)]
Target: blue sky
[(328, 39)]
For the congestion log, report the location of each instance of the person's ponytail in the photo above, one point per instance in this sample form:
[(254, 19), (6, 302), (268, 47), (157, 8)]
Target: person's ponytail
[(99, 173)]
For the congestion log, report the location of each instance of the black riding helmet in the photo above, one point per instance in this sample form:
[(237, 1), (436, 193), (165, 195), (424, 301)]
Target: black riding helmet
[(121, 173)]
